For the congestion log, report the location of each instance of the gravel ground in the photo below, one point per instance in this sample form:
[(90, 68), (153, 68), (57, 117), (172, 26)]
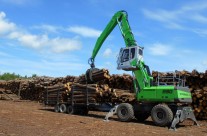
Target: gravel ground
[(33, 119)]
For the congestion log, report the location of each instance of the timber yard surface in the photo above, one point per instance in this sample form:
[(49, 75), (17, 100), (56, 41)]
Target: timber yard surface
[(33, 119)]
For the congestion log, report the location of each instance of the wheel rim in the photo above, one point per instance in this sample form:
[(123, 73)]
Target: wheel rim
[(160, 115), (123, 112), (62, 108)]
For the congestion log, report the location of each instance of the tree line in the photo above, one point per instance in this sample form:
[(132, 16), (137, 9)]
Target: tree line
[(12, 76)]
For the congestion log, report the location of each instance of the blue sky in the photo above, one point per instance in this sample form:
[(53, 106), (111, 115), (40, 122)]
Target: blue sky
[(56, 38)]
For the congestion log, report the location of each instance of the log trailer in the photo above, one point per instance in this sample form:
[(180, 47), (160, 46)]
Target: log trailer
[(165, 104), (77, 101)]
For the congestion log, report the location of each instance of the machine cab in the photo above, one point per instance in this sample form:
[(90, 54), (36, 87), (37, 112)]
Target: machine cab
[(129, 57)]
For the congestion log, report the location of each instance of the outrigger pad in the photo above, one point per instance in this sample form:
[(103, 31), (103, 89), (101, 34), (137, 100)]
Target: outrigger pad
[(112, 112), (182, 114)]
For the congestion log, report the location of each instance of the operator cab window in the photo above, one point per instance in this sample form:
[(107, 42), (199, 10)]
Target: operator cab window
[(132, 53), (125, 55), (140, 52)]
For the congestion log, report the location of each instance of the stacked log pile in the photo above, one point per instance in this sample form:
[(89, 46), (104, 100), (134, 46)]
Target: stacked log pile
[(2, 83), (124, 82), (98, 93), (50, 81), (79, 93), (12, 85), (33, 89), (55, 93), (110, 88), (29, 90), (96, 75), (198, 86), (197, 82), (104, 87)]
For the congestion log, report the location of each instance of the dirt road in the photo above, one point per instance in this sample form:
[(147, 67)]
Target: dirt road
[(33, 119)]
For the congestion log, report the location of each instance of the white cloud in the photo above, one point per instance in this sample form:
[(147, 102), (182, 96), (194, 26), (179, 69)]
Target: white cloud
[(204, 62), (30, 40), (176, 15), (107, 52), (159, 49), (181, 57), (179, 18), (48, 28), (85, 31), (201, 32), (5, 25), (169, 18), (138, 34), (160, 15), (16, 2), (4, 54), (60, 45), (108, 63), (42, 67), (56, 45), (199, 18), (196, 6), (37, 41)]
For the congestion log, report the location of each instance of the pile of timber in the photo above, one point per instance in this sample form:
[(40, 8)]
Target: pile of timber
[(124, 82), (111, 88), (80, 94), (91, 93), (54, 93), (12, 85), (33, 88), (96, 75), (2, 83), (50, 81), (98, 93), (197, 82), (30, 90)]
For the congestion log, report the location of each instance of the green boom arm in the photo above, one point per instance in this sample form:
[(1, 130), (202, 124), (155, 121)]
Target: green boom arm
[(120, 18)]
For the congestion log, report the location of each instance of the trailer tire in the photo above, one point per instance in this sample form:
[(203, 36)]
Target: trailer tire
[(70, 109), (63, 108), (125, 112), (57, 108), (162, 115), (141, 116)]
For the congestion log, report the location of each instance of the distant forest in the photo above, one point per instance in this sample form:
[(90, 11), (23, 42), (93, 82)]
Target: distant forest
[(12, 76)]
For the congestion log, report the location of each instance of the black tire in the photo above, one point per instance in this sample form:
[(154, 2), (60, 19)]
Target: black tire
[(141, 116), (63, 108), (57, 108), (70, 109), (162, 115), (125, 112)]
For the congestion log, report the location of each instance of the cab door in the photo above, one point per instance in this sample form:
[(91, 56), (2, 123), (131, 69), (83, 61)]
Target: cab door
[(126, 58)]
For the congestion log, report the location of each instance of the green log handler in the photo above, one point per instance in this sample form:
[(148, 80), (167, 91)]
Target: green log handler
[(167, 105)]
